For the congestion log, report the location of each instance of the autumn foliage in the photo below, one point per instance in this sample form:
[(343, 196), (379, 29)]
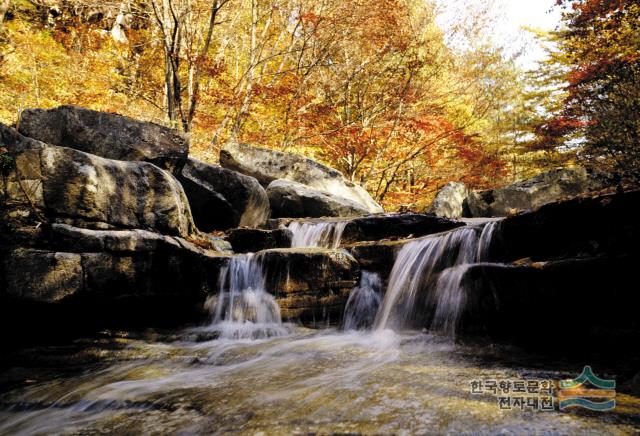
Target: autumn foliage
[(599, 51), (369, 87)]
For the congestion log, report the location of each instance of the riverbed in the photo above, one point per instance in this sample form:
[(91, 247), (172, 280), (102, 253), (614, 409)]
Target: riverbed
[(293, 380)]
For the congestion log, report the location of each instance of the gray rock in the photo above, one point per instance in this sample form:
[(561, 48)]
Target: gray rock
[(68, 186), (533, 193), (42, 276), (221, 199), (589, 300), (88, 242), (268, 165), (292, 199), (104, 134), (394, 226), (312, 285), (450, 201), (72, 275), (252, 240), (587, 226)]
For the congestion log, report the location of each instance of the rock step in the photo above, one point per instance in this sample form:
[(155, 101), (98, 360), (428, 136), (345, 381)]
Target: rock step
[(381, 226), (583, 305), (245, 240), (311, 285)]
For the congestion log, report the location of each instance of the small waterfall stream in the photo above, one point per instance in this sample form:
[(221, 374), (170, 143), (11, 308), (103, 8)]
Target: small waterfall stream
[(363, 302), (317, 234), (293, 379), (425, 285), (243, 309)]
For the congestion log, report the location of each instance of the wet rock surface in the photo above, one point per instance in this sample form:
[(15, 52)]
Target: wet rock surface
[(69, 281), (380, 226), (311, 285), (404, 225), (573, 305), (581, 227), (252, 240)]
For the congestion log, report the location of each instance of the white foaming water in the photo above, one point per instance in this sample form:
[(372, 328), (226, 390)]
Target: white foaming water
[(426, 279), (485, 240), (363, 302), (317, 234), (243, 309)]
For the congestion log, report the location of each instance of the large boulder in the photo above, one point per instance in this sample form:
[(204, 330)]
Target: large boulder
[(532, 193), (292, 199), (584, 226), (311, 285), (88, 242), (104, 134), (451, 201), (268, 165), (221, 199), (59, 184), (583, 306)]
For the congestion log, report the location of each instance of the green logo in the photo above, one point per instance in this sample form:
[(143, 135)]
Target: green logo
[(601, 397)]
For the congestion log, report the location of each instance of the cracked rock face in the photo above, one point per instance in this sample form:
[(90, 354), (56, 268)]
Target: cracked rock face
[(86, 240)]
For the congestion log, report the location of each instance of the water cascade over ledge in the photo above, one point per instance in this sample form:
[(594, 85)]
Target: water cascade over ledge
[(425, 286), (317, 234), (243, 309), (363, 302)]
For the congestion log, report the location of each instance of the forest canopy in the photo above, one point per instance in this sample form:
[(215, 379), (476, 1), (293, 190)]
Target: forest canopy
[(374, 88)]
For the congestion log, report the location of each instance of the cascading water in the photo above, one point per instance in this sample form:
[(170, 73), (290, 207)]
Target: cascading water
[(243, 309), (317, 234), (425, 286), (363, 302)]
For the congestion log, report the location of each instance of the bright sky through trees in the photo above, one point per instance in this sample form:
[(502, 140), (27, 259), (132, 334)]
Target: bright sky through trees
[(507, 28), (529, 13)]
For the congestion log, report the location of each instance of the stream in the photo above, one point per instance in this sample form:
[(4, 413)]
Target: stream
[(329, 381)]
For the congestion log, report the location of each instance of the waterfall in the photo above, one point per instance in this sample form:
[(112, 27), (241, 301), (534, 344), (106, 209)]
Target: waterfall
[(425, 285), (486, 237), (243, 309), (317, 234), (363, 302)]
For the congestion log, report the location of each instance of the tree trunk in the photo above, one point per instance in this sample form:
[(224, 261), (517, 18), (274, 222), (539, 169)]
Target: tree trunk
[(4, 7)]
